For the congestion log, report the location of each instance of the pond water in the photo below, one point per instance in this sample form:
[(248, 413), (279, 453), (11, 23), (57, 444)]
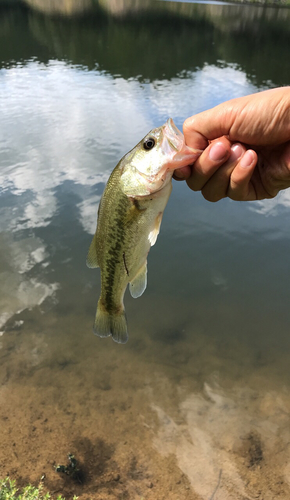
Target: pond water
[(196, 405)]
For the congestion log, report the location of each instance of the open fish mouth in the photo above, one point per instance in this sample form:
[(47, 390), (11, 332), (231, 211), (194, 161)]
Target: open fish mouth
[(173, 145), (173, 139)]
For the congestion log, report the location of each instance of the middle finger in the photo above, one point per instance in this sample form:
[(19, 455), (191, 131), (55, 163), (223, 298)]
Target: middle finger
[(217, 186)]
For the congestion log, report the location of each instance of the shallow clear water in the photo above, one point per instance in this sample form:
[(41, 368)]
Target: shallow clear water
[(196, 404)]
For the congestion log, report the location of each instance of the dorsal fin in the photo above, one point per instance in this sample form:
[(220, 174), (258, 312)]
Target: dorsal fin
[(92, 260)]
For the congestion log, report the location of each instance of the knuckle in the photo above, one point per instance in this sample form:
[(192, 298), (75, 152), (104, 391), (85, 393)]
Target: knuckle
[(237, 194), (188, 125), (193, 186), (211, 196), (233, 196)]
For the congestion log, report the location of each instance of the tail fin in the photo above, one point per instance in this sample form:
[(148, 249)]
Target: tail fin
[(107, 324)]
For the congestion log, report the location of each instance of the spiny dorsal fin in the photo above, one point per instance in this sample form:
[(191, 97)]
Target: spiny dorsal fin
[(92, 261)]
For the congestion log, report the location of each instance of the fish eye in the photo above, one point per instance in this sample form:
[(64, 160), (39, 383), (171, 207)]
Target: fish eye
[(149, 143)]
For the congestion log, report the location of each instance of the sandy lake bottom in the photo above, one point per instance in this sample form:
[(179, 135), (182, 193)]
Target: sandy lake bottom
[(164, 418)]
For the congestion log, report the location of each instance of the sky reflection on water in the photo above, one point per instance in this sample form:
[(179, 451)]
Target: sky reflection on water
[(54, 133), (66, 128)]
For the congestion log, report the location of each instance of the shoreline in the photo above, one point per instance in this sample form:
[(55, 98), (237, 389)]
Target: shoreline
[(75, 8)]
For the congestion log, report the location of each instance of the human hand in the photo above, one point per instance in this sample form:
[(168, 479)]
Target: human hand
[(246, 143)]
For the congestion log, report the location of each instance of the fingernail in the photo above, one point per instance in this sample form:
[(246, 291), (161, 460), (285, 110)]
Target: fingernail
[(247, 159), (217, 151), (236, 152), (178, 173)]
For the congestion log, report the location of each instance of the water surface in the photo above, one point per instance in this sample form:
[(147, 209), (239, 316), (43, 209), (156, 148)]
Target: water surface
[(196, 404)]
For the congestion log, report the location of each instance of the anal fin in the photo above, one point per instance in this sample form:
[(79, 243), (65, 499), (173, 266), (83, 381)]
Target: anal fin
[(139, 283)]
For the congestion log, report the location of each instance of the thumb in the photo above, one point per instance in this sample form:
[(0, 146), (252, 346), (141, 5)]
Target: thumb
[(260, 119), (199, 129)]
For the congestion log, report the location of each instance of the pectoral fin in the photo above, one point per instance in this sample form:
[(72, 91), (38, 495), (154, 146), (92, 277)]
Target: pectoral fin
[(92, 254), (139, 283), (152, 236)]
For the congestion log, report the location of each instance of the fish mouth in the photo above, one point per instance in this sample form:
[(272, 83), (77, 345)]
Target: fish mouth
[(177, 155), (172, 137), (173, 145)]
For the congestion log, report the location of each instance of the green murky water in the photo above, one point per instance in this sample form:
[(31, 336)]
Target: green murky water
[(196, 404)]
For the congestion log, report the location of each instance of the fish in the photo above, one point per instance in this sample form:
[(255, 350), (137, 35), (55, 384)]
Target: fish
[(129, 218)]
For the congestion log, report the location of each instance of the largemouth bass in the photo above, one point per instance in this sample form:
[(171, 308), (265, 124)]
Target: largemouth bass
[(129, 218)]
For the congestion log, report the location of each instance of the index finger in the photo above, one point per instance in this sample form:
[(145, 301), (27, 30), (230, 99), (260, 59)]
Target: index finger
[(215, 155)]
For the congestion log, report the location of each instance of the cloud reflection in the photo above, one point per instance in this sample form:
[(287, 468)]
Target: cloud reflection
[(273, 206), (64, 124), (88, 213), (20, 291)]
